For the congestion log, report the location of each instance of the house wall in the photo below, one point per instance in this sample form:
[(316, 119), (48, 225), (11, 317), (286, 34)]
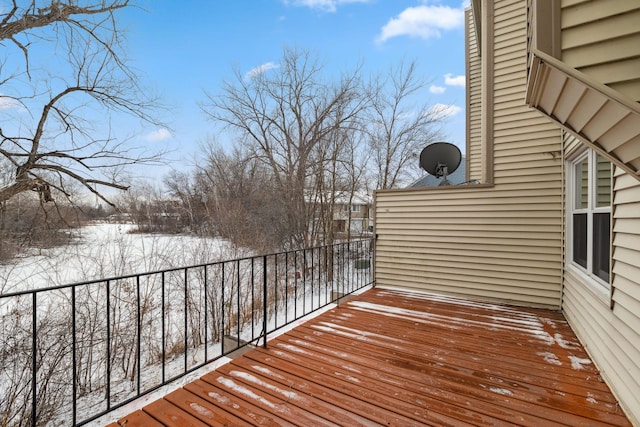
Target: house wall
[(600, 39), (505, 241), (354, 221), (502, 241), (479, 242), (608, 322), (362, 213)]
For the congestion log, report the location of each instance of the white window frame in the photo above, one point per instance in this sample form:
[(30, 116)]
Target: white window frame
[(355, 208), (586, 273)]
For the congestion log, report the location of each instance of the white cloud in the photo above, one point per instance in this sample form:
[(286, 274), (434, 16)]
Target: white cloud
[(451, 80), (158, 135), (437, 89), (443, 111), (260, 69), (425, 21), (323, 5), (7, 103)]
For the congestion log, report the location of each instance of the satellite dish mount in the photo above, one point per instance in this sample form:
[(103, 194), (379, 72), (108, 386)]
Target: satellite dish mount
[(442, 170), (440, 159)]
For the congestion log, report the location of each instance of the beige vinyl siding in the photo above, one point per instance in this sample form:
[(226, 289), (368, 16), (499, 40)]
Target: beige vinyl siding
[(524, 142), (501, 242), (612, 335), (608, 322), (474, 103), (626, 246), (479, 242), (602, 40), (612, 344)]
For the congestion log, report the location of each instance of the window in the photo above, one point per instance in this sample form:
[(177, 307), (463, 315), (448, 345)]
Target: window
[(590, 215), (355, 208)]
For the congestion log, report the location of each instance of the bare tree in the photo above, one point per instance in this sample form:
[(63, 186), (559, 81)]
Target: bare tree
[(339, 166), (241, 199), (399, 127), (283, 115), (53, 99), (182, 191)]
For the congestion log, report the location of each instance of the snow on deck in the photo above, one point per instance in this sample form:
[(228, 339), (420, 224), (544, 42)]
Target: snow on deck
[(402, 358)]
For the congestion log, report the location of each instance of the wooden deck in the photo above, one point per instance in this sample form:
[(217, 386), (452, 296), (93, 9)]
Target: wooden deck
[(403, 359)]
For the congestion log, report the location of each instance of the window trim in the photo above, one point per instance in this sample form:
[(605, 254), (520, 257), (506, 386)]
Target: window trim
[(602, 287)]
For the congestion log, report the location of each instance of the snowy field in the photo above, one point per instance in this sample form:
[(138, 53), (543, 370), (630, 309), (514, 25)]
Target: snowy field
[(106, 250)]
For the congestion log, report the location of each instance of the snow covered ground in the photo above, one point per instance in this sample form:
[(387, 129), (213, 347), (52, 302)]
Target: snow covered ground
[(105, 250)]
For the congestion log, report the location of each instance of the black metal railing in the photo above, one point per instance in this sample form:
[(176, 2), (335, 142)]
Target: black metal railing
[(70, 354)]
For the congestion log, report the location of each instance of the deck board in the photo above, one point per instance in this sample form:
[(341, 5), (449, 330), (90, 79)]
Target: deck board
[(138, 418), (399, 358), (235, 405), (169, 415)]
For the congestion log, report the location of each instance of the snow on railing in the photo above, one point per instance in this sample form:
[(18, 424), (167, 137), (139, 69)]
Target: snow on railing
[(70, 354)]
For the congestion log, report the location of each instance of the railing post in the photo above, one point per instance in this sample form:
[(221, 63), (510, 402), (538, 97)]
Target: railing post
[(34, 352), (295, 285), (253, 299), (206, 320), (286, 287), (186, 319), (163, 327), (264, 299), (74, 362), (108, 389), (222, 309), (138, 333), (275, 290), (349, 268), (326, 273), (304, 281), (238, 301)]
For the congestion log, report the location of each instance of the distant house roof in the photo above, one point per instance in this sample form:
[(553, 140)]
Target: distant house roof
[(457, 177), (343, 198), (357, 199)]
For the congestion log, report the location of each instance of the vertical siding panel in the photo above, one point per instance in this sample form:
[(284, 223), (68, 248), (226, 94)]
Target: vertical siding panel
[(474, 102)]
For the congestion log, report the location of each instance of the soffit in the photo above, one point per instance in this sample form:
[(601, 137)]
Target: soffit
[(599, 116)]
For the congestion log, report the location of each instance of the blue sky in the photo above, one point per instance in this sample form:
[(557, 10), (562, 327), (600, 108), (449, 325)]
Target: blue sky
[(182, 48)]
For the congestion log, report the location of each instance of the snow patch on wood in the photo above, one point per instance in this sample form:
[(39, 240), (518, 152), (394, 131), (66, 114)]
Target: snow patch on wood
[(240, 389), (201, 410), (578, 363), (289, 395), (550, 358)]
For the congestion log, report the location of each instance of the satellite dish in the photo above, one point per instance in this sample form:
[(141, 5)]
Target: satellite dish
[(440, 159)]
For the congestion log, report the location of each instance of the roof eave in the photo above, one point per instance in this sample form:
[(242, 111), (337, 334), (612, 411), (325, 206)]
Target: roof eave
[(597, 115)]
